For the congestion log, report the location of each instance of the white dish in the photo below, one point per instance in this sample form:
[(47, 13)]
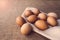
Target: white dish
[(44, 33)]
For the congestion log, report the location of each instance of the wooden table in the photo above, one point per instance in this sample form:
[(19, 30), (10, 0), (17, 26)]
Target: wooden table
[(10, 9)]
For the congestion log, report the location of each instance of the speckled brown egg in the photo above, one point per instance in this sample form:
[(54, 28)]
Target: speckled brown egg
[(20, 21), (35, 11), (28, 13), (52, 21), (41, 24), (32, 18), (42, 16), (26, 29)]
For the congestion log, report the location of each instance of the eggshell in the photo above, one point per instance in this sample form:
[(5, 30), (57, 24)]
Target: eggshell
[(26, 29), (52, 21), (42, 16), (28, 13), (32, 18), (41, 24), (52, 14), (35, 11), (20, 21)]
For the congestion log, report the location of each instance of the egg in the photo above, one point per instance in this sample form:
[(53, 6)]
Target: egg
[(32, 18), (28, 13), (41, 24), (26, 29), (42, 16), (52, 21), (20, 21), (35, 11), (52, 14)]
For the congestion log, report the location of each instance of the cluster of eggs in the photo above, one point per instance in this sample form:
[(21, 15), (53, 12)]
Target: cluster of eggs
[(25, 27), (40, 19)]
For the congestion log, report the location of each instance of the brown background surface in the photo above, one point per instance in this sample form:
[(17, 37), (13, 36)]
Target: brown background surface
[(10, 9)]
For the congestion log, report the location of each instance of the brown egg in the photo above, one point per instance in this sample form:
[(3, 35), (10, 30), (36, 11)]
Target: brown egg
[(41, 24), (52, 21), (28, 13), (52, 14), (20, 21), (35, 11), (26, 29), (32, 18), (42, 16)]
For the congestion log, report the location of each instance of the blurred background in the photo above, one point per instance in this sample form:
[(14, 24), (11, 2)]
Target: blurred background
[(10, 9)]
